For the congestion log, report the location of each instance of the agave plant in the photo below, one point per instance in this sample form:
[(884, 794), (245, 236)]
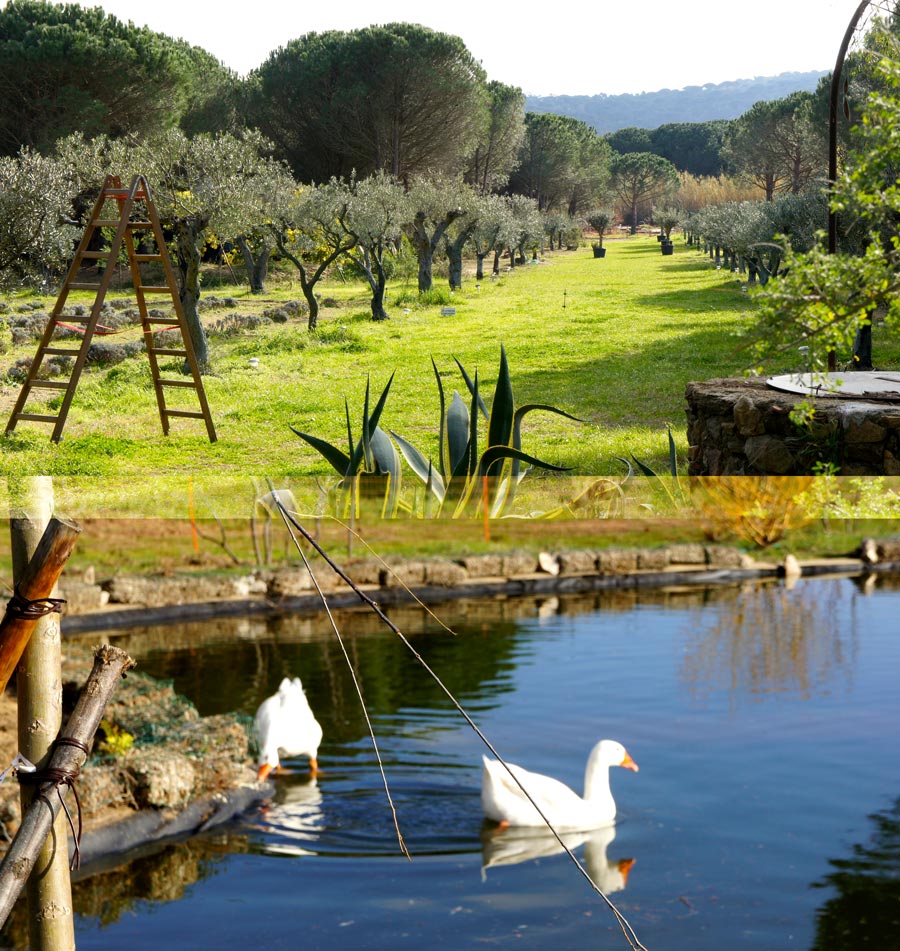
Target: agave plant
[(463, 474), (371, 462)]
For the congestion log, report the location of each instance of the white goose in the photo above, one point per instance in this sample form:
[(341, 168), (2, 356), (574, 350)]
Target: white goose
[(503, 801), (285, 726)]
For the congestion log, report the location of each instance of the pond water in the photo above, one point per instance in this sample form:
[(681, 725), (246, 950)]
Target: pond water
[(766, 813)]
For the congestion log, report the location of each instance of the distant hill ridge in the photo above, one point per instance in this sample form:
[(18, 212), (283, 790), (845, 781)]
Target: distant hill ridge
[(649, 110)]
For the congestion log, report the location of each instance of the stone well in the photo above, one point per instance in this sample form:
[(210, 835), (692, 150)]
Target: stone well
[(743, 427)]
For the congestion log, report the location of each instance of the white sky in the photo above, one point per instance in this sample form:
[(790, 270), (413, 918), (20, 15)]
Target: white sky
[(576, 48)]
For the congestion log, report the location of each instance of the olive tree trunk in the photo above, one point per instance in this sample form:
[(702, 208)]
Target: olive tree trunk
[(188, 234)]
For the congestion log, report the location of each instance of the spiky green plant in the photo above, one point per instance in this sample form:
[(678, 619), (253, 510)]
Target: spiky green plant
[(464, 476), (370, 468)]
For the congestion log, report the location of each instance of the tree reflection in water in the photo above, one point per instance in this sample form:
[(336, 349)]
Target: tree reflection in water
[(165, 874), (865, 913), (770, 639)]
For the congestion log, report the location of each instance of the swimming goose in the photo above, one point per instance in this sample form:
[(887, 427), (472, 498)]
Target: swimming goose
[(503, 801), (285, 726)]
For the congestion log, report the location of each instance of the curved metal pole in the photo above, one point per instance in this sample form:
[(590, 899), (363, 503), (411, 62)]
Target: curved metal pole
[(833, 120)]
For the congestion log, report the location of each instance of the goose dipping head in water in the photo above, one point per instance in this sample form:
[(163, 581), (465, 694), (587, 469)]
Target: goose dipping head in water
[(503, 801), (285, 727)]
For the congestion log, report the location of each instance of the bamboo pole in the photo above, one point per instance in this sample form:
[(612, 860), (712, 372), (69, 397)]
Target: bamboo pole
[(35, 584), (51, 922), (110, 663)]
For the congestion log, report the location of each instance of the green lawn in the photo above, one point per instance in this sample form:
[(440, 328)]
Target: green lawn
[(612, 341)]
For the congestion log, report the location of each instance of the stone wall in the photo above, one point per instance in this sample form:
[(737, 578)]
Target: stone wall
[(743, 427)]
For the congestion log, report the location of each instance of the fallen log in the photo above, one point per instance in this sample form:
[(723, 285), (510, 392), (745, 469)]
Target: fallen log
[(69, 754)]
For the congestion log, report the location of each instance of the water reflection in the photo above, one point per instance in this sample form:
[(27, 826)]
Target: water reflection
[(166, 873), (866, 909), (292, 816), (771, 639), (512, 846)]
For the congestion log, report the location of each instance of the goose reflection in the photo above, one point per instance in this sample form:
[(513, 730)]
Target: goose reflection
[(293, 813), (512, 845)]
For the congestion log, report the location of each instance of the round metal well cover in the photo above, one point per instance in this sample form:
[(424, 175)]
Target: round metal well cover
[(860, 384)]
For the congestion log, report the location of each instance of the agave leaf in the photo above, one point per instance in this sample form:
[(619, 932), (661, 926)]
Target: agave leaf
[(444, 464), (673, 460), (630, 475), (500, 423), (493, 454), (421, 466), (457, 437), (338, 459), (473, 388), (350, 444), (530, 407), (472, 465), (362, 454), (366, 434), (520, 414), (387, 462), (645, 469)]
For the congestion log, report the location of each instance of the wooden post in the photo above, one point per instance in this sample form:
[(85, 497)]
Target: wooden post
[(110, 664), (36, 583), (51, 922)]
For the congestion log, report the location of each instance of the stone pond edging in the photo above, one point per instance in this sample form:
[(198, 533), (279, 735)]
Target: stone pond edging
[(126, 600), (743, 427)]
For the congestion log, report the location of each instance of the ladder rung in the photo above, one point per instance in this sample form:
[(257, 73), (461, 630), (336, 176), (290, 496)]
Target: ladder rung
[(170, 353), (148, 257), (51, 384), (187, 383), (60, 352), (115, 222), (163, 320), (36, 417), (84, 287), (124, 193), (187, 414), (153, 289), (94, 255)]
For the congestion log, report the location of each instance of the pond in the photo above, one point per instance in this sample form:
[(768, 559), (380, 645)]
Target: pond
[(766, 813)]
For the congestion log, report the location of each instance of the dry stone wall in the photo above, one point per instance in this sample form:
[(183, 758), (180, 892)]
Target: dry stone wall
[(743, 427)]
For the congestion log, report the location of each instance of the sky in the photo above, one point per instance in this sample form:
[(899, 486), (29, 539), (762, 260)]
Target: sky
[(580, 48)]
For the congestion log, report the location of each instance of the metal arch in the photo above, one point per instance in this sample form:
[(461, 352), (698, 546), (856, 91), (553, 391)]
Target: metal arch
[(833, 119)]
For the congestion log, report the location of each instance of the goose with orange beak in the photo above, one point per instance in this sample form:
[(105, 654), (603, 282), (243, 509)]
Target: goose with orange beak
[(286, 727), (503, 800)]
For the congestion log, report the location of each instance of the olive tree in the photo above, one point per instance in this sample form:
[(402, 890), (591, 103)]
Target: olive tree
[(379, 208), (36, 234), (206, 189), (436, 203), (309, 227)]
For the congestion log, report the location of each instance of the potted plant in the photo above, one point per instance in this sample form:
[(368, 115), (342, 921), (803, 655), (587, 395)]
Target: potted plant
[(599, 220), (667, 219)]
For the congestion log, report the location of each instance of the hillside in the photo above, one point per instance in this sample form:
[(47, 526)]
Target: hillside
[(648, 110)]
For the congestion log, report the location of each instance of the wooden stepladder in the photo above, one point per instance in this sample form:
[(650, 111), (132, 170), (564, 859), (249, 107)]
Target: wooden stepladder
[(134, 213)]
